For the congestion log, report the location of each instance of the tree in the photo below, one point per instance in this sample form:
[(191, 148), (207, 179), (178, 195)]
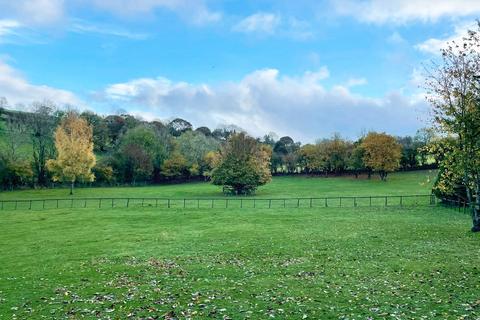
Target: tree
[(75, 157), (41, 123), (311, 158), (101, 139), (382, 153), (204, 130), (175, 166), (244, 165), (178, 126), (194, 146), (14, 173), (355, 159), (454, 92), (336, 153), (152, 144), (137, 163), (285, 150)]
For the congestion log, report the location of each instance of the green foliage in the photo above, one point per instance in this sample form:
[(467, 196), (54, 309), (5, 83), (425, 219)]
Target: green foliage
[(15, 173), (454, 89), (194, 146), (243, 166), (176, 166)]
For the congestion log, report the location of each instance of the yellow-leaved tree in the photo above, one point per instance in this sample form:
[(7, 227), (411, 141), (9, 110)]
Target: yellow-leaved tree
[(75, 157), (382, 153)]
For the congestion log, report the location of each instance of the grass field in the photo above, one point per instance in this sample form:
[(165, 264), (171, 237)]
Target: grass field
[(290, 187), (334, 263)]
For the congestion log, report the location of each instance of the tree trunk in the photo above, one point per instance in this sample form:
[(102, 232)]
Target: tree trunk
[(71, 187), (475, 209)]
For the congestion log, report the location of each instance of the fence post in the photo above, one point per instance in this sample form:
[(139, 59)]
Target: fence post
[(143, 201), (226, 203), (168, 203), (184, 204), (326, 202), (112, 202), (128, 202), (401, 201), (57, 204), (386, 201), (269, 203), (212, 203), (156, 203), (370, 201), (355, 202), (100, 202), (30, 208), (298, 203), (340, 202), (284, 205), (310, 202), (198, 203)]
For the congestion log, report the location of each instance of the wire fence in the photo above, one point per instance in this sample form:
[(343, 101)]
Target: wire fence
[(219, 203)]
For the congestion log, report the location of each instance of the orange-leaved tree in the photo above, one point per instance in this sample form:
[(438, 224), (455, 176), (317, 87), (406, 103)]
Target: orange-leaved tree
[(382, 153), (75, 157)]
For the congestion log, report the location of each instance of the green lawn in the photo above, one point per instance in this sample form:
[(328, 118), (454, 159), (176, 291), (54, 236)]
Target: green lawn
[(306, 263), (281, 187)]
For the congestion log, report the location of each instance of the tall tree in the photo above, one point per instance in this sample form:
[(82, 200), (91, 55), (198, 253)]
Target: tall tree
[(382, 153), (75, 157), (41, 123), (454, 92)]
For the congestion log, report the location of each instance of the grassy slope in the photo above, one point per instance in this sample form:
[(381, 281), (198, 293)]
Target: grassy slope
[(398, 183)]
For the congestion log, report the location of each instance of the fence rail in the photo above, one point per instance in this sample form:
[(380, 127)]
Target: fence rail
[(225, 203)]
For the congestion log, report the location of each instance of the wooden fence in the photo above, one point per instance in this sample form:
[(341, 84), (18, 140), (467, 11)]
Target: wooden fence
[(225, 203)]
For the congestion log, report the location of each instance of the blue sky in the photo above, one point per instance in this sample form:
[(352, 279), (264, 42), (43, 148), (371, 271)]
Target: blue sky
[(303, 68)]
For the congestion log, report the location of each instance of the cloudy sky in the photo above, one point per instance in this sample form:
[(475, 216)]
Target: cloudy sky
[(306, 68)]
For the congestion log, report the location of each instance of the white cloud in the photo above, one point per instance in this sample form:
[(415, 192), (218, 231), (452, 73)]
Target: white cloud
[(47, 12), (404, 11), (7, 27), (195, 12), (355, 82), (435, 45), (80, 26), (260, 22), (265, 101), (17, 89), (35, 12)]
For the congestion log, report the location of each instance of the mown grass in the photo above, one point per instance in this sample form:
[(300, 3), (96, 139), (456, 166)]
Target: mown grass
[(402, 183), (293, 263), (287, 263)]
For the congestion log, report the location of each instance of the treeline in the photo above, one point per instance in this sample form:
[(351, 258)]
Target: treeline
[(131, 151)]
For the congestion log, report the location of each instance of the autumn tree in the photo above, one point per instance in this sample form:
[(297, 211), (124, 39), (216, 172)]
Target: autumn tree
[(75, 157), (382, 153), (244, 165), (311, 158), (454, 92)]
